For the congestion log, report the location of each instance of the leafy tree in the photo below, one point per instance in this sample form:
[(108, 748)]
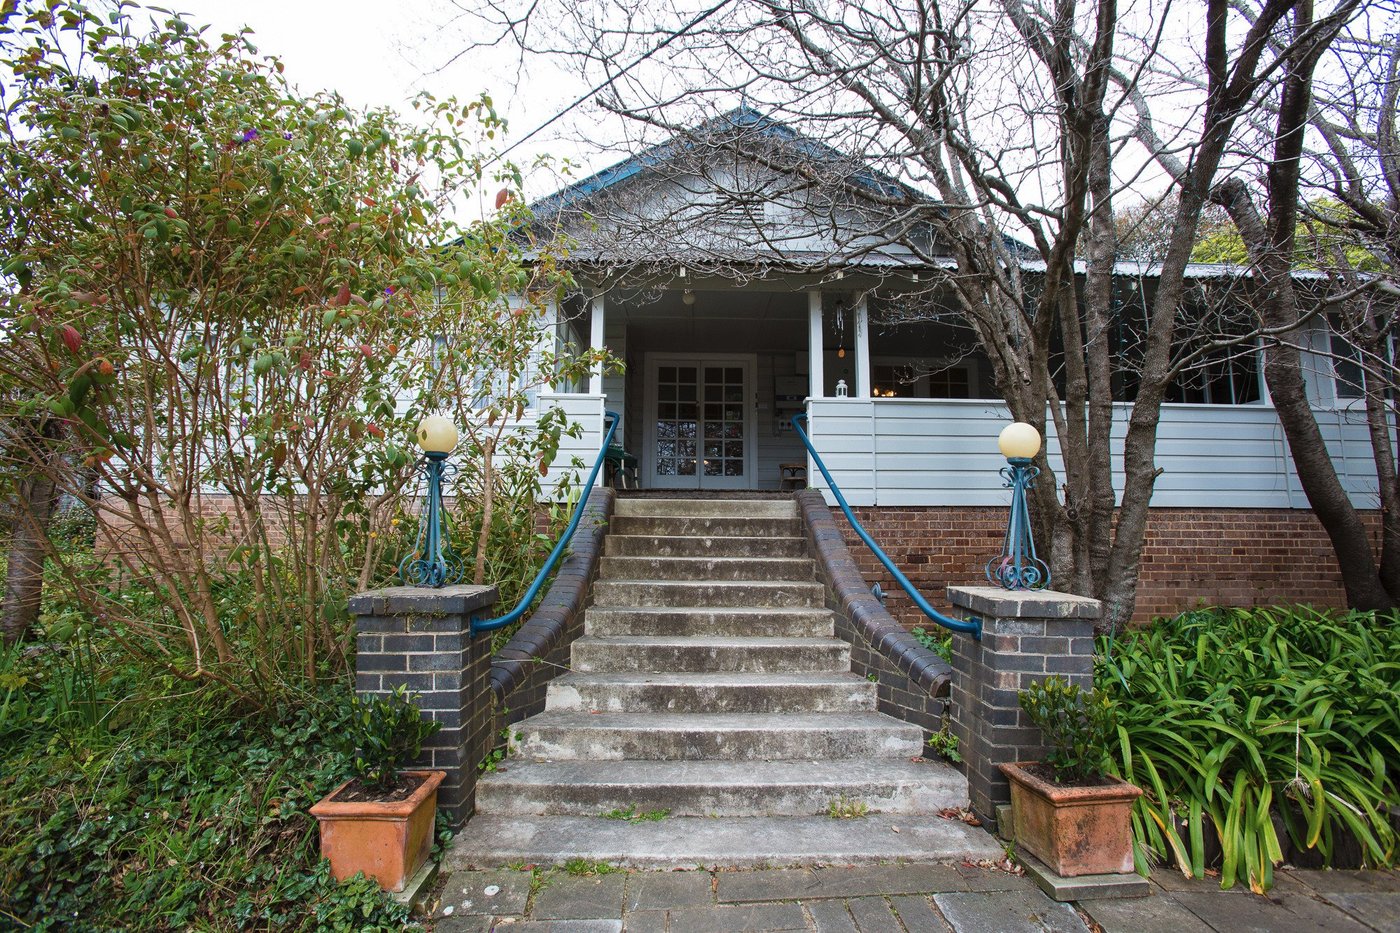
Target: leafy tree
[(230, 301)]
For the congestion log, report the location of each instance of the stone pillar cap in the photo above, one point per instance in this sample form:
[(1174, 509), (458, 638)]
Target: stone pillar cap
[(1025, 604), (458, 599)]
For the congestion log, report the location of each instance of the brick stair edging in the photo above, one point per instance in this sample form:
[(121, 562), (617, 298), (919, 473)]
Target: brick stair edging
[(913, 683), (518, 679)]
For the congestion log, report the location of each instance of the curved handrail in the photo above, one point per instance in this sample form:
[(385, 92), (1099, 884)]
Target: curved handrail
[(971, 627), (487, 625)]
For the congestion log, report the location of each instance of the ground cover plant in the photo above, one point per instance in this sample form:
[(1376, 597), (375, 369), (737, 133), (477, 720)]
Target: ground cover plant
[(130, 799), (1257, 733)]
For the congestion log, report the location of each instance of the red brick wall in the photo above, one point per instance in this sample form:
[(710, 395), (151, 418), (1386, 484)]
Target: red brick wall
[(1234, 557)]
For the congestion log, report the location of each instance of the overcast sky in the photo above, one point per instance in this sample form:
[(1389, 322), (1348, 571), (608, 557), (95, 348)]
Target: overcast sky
[(383, 53)]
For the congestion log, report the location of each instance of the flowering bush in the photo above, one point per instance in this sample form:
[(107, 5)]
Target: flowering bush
[(234, 302)]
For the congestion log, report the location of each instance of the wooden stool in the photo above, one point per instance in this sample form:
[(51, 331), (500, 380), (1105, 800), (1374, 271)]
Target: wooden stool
[(792, 476)]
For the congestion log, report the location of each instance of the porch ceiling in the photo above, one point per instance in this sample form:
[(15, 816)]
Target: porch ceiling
[(719, 320)]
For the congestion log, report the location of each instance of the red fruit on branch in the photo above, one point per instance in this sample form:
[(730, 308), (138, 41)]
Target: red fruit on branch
[(105, 368), (367, 350), (170, 212), (71, 338), (375, 430), (342, 296), (305, 361)]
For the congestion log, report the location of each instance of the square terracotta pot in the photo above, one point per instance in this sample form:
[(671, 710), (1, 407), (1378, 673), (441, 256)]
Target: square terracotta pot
[(387, 841), (1073, 830)]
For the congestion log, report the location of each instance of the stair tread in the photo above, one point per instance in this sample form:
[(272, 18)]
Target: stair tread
[(795, 771), (712, 641), (757, 611), (716, 722), (688, 842), (711, 678)]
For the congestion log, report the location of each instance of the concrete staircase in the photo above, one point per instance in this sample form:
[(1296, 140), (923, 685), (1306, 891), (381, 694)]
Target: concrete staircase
[(709, 687)]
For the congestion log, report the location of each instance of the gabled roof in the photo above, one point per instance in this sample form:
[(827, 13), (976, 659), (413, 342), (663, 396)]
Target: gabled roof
[(742, 118)]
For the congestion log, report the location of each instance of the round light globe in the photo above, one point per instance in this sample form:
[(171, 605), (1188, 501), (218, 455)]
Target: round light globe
[(1019, 440), (437, 435)]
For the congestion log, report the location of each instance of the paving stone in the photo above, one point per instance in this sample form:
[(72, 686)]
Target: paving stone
[(1348, 882), (873, 915), (831, 916), (653, 890), (562, 926), (785, 884), (1157, 914), (1254, 914), (465, 892), (571, 898), (986, 879), (1381, 911), (1008, 912), (858, 881), (739, 918), (636, 921), (1084, 887), (466, 923), (918, 916)]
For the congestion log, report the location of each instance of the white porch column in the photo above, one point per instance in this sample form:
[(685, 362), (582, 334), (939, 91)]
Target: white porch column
[(595, 342), (862, 350), (815, 354)]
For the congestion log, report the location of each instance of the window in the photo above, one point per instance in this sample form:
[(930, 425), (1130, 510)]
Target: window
[(1346, 367)]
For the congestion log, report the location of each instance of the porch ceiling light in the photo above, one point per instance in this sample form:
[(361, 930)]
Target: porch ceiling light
[(437, 435), (1019, 441), (688, 297)]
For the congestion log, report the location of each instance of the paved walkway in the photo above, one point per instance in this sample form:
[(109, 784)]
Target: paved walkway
[(897, 898)]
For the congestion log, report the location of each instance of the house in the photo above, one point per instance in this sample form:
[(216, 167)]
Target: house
[(742, 287)]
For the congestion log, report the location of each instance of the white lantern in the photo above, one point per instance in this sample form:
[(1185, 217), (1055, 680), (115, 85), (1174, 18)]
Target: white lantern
[(1019, 441), (437, 435)]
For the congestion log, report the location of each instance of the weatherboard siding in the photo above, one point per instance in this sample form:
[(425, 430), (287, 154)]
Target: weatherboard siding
[(913, 452)]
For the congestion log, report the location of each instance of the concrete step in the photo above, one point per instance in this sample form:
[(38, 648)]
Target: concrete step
[(706, 568), (759, 595), (490, 841), (677, 621), (717, 526), (706, 508), (711, 693), (575, 736), (700, 653), (615, 545), (720, 788)]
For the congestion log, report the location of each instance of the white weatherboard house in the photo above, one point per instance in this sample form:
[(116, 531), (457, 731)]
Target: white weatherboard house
[(740, 293)]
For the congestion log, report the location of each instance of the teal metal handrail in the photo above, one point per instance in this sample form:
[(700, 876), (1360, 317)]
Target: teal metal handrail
[(487, 625), (971, 627)]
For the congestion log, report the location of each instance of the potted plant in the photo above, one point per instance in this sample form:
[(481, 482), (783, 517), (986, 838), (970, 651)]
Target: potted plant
[(1067, 810), (380, 822)]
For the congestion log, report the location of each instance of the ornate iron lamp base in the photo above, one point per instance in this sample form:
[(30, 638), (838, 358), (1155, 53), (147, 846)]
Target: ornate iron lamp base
[(1017, 567)]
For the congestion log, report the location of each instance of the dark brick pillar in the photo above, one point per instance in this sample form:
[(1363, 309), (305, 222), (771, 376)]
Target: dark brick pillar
[(1026, 636), (421, 638)]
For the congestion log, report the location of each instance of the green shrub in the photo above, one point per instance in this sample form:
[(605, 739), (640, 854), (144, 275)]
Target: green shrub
[(1077, 727), (1230, 719), (383, 734)]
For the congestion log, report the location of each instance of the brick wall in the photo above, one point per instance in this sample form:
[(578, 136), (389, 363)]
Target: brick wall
[(1234, 557)]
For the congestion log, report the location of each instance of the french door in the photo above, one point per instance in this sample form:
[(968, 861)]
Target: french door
[(700, 422)]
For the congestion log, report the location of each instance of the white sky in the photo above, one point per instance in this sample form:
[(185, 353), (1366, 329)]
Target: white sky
[(381, 53)]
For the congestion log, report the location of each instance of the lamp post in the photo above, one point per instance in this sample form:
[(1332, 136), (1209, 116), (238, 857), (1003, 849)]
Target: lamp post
[(432, 563), (1017, 567)]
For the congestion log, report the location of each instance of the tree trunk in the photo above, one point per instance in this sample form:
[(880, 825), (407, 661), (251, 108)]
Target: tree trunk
[(24, 576)]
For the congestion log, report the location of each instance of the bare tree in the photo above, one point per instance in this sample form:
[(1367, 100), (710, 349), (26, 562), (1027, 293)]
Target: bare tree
[(1024, 121)]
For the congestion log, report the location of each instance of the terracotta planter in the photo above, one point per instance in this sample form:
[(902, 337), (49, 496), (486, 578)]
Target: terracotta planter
[(386, 841), (1073, 830)]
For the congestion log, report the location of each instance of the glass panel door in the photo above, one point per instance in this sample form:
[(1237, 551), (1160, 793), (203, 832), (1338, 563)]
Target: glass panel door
[(701, 431)]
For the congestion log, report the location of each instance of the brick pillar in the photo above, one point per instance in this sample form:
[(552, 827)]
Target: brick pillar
[(1026, 636), (421, 638)]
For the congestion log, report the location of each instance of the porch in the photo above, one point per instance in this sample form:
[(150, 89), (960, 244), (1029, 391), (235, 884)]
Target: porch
[(903, 415)]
